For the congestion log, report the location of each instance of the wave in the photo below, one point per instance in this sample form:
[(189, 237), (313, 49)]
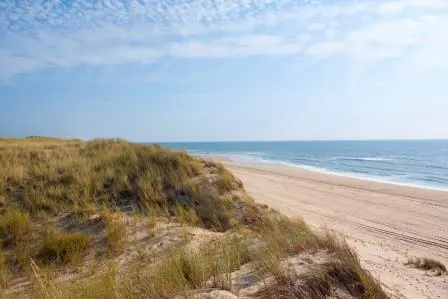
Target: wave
[(371, 159), (399, 179), (419, 180)]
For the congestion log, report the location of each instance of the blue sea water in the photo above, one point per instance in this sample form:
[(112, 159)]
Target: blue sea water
[(421, 163)]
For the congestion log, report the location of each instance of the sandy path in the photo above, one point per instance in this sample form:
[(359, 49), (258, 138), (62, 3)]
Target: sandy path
[(386, 223)]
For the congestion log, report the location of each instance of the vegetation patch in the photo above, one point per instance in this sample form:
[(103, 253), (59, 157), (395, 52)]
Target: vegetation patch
[(15, 226), (115, 232), (109, 185), (426, 264), (61, 248), (283, 237)]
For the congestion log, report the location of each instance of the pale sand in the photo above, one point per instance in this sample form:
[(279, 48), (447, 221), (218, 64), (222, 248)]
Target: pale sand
[(385, 223)]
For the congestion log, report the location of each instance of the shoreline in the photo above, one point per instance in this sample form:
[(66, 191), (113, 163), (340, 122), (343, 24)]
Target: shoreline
[(374, 179), (385, 223)]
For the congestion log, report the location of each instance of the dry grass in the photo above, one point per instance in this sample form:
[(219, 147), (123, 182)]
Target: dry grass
[(15, 226), (54, 176), (44, 178), (151, 226), (177, 275), (186, 215), (210, 266), (284, 237), (115, 233), (61, 248), (426, 264), (5, 276), (99, 287), (50, 176)]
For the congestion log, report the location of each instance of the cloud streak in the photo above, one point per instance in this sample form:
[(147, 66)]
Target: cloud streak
[(53, 34)]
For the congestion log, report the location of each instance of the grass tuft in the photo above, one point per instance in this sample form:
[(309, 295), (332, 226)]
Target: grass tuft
[(283, 237), (115, 232), (211, 265), (15, 226), (426, 264), (62, 248)]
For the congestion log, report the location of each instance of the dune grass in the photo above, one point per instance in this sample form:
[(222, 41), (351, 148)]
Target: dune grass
[(185, 270), (50, 176), (427, 264), (115, 233), (56, 176), (61, 248), (15, 226), (283, 237), (177, 275), (43, 179)]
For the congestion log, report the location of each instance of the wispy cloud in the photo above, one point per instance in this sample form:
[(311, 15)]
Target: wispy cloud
[(35, 35)]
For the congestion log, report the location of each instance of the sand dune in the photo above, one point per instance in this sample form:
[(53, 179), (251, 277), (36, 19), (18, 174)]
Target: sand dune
[(386, 223)]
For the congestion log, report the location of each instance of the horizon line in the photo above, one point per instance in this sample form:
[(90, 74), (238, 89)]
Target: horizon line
[(301, 140)]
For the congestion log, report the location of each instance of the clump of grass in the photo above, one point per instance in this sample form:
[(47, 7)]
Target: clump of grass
[(15, 226), (348, 263), (186, 270), (283, 237), (186, 215), (226, 182), (115, 232), (64, 247), (287, 236), (97, 287), (214, 211), (426, 264), (229, 256)]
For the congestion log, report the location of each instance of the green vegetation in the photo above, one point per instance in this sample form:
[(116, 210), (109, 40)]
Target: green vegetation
[(65, 203), (53, 176)]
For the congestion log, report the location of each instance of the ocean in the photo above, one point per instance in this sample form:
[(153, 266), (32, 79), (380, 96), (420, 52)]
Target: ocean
[(422, 164)]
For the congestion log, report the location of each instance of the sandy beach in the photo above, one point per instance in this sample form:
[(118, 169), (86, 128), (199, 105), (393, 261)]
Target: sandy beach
[(386, 223)]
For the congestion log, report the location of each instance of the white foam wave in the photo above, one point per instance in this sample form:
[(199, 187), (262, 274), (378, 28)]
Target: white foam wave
[(399, 180), (371, 159)]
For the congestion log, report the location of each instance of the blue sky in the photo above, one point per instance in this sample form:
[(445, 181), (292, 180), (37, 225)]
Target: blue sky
[(190, 70)]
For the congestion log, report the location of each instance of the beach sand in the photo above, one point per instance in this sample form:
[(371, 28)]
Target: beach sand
[(386, 223)]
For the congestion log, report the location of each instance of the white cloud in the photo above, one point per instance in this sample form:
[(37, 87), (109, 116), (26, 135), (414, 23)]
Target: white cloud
[(325, 49), (37, 35), (391, 7)]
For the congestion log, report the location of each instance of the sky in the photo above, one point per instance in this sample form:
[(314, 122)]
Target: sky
[(208, 70)]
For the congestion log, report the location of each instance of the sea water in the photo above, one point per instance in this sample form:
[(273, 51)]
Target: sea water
[(415, 163)]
